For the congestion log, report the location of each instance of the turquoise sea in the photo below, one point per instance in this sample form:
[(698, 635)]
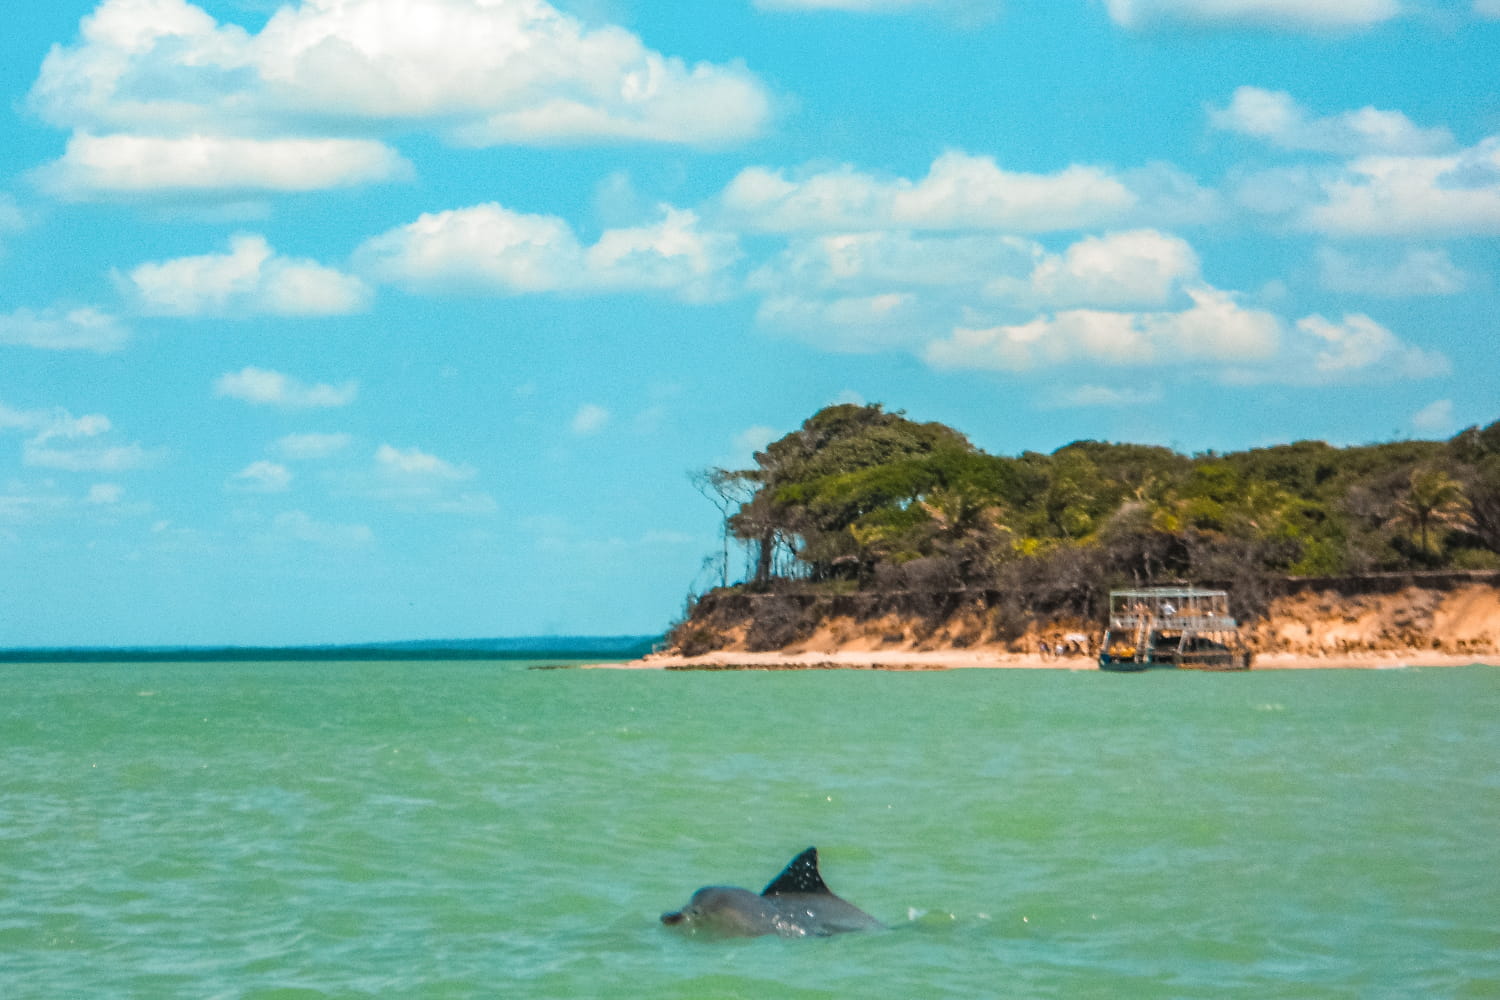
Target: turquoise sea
[(480, 829)]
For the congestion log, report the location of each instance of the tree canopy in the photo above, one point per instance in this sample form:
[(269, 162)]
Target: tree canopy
[(861, 497)]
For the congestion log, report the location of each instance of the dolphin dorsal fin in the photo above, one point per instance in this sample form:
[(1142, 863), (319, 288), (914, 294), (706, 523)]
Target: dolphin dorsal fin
[(800, 876)]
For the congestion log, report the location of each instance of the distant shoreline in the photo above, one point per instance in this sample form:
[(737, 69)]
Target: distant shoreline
[(424, 650), (963, 659)]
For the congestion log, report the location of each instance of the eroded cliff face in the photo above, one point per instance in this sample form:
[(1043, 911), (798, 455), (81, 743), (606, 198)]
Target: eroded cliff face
[(1452, 614), (1462, 620)]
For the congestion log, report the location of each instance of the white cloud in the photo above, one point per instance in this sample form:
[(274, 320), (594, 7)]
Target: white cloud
[(855, 323), (303, 447), (884, 290), (103, 458), (1416, 272), (1244, 345), (161, 95), (1435, 418), (250, 279), (105, 494), (56, 444), (492, 248), (861, 6), (1454, 195), (1292, 15), (300, 527), (1104, 396), (66, 443), (24, 502), (413, 480), (1275, 117), (960, 191), (1358, 344), (873, 262), (120, 165), (487, 246), (78, 329), (12, 419), (967, 10), (12, 219), (745, 444), (674, 254), (1215, 329), (413, 463), (262, 477), (1140, 267), (270, 388), (503, 71), (1489, 9), (591, 418)]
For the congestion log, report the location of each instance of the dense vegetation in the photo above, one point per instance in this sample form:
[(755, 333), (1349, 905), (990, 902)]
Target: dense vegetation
[(859, 498)]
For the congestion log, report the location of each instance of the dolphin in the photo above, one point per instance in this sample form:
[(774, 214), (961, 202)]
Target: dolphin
[(795, 904)]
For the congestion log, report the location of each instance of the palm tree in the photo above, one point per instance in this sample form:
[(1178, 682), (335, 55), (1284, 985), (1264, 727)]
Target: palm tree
[(1432, 499)]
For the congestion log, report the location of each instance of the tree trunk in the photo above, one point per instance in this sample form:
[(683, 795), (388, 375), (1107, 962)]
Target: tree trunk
[(767, 542)]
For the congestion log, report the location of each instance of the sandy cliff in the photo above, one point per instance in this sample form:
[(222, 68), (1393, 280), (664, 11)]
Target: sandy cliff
[(1437, 619)]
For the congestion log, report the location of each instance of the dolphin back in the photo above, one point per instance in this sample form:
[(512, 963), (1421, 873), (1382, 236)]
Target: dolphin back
[(797, 903), (808, 906), (799, 876)]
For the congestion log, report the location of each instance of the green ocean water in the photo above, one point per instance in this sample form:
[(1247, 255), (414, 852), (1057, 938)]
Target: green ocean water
[(474, 829)]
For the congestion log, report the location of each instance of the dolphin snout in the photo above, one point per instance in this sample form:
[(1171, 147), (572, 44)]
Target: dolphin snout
[(671, 919)]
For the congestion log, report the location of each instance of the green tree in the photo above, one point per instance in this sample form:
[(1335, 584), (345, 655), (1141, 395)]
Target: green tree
[(1433, 498)]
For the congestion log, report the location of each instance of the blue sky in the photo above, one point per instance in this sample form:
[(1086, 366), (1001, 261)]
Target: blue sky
[(347, 320)]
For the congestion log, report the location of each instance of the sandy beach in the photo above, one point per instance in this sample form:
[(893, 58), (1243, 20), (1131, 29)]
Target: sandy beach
[(961, 659)]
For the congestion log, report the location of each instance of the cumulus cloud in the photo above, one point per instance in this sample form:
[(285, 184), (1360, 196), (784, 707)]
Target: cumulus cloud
[(492, 248), (1081, 396), (299, 526), (673, 255), (1453, 195), (1215, 328), (878, 291), (850, 323), (123, 165), (62, 329), (313, 445), (960, 191), (878, 261), (870, 291), (744, 446), (263, 387), (1215, 333), (1416, 271), (12, 219), (967, 9), (250, 279), (67, 443), (862, 6), (417, 464), (262, 477), (414, 480), (1139, 267), (1358, 344), (1435, 418), (1290, 15), (1275, 117), (591, 418), (161, 95), (105, 494)]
